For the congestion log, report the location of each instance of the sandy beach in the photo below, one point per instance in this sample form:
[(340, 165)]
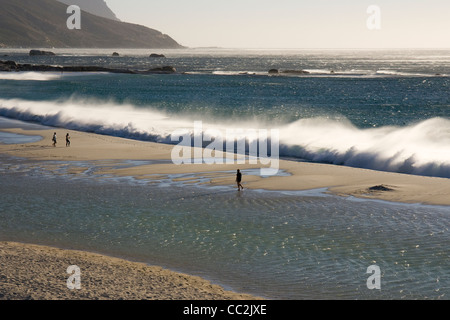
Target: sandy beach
[(340, 180), (37, 272), (31, 272)]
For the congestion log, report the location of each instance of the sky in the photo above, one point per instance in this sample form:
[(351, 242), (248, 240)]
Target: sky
[(294, 23)]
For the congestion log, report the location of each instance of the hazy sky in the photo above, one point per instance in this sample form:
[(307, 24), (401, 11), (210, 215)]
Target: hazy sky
[(293, 23)]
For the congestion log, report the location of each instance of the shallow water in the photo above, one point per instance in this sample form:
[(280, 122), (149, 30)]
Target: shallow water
[(383, 110), (280, 245), (13, 138)]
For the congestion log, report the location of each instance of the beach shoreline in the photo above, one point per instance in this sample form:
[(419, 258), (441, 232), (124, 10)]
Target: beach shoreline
[(339, 180), (37, 272), (169, 285)]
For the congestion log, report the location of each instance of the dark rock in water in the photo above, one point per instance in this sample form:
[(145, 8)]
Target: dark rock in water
[(295, 72), (7, 66), (274, 71), (380, 188), (41, 53), (155, 55), (4, 67), (116, 54), (165, 70)]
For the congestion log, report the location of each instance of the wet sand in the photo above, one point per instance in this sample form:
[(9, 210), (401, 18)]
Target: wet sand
[(37, 272), (340, 180)]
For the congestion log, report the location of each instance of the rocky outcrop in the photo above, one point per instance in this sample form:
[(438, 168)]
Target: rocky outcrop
[(156, 55), (41, 53), (116, 54), (163, 70), (11, 66), (8, 65), (381, 188)]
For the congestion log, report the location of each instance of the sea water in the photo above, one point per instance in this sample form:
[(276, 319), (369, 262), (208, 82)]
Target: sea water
[(279, 245), (383, 110)]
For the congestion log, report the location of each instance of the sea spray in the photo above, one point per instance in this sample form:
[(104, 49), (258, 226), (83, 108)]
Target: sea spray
[(29, 76), (421, 148), (261, 147)]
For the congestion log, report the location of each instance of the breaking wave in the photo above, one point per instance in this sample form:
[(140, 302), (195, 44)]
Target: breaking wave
[(421, 148), (29, 76)]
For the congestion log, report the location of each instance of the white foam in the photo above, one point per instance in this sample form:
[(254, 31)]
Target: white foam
[(422, 148), (404, 74), (238, 73), (29, 76)]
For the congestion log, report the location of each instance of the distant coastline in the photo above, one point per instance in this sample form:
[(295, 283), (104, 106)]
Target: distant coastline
[(25, 23)]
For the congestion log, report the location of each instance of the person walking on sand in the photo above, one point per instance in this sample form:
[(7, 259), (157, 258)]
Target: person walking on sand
[(239, 180), (54, 139), (67, 140)]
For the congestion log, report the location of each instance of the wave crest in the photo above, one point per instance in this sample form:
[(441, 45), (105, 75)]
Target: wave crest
[(422, 148), (29, 76)]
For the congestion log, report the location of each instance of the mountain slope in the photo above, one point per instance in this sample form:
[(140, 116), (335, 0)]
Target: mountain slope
[(42, 23), (95, 7)]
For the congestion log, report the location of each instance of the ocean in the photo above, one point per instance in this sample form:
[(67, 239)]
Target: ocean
[(380, 110)]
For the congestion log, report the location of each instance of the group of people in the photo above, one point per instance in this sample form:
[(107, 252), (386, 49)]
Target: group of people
[(238, 174), (67, 140)]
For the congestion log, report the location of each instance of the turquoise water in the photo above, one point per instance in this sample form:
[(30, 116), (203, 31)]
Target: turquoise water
[(280, 245), (383, 110), (12, 138)]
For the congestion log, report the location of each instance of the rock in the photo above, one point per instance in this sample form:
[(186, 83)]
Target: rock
[(116, 54), (166, 69), (274, 71), (380, 188), (8, 66), (4, 67), (41, 53), (156, 55), (10, 63)]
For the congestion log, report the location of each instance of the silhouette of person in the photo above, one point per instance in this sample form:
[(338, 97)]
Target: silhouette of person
[(54, 139), (239, 180), (67, 140)]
